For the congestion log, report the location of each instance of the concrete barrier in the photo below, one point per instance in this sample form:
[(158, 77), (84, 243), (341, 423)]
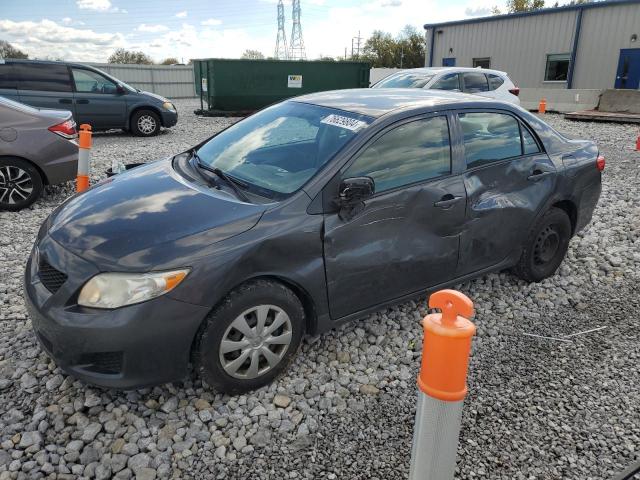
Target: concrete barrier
[(627, 101), (560, 100)]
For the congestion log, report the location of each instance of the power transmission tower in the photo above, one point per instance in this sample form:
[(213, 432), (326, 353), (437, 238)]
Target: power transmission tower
[(297, 51), (281, 52), (357, 52)]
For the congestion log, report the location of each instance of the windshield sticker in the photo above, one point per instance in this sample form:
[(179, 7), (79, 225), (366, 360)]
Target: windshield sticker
[(349, 123)]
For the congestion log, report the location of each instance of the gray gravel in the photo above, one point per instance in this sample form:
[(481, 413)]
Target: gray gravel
[(537, 408)]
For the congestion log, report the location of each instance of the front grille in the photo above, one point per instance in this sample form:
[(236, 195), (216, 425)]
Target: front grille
[(109, 363), (51, 278)]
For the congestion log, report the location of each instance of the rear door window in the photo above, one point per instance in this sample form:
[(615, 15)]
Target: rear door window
[(7, 79), (413, 152), (475, 82), (448, 82), (489, 137), (43, 77), (495, 81)]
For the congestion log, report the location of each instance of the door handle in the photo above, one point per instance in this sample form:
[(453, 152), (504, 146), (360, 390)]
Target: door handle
[(447, 201), (538, 175), (65, 100), (82, 101)]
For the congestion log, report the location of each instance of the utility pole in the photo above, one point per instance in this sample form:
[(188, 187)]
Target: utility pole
[(401, 54)]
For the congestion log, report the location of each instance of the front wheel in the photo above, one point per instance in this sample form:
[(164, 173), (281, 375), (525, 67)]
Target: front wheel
[(546, 246), (20, 184), (250, 338), (145, 123)]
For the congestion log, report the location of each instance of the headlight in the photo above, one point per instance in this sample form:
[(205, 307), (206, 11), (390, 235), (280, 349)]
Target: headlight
[(113, 290), (169, 106)]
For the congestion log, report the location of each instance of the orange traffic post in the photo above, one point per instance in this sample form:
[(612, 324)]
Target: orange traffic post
[(638, 143), (84, 142), (442, 385), (542, 106)]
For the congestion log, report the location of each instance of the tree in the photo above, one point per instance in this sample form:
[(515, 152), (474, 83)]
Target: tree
[(380, 50), (514, 6), (128, 56), (252, 55), (169, 61), (9, 51), (411, 46), (408, 49)]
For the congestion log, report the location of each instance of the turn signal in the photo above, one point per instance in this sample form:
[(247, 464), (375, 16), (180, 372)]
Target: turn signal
[(600, 163)]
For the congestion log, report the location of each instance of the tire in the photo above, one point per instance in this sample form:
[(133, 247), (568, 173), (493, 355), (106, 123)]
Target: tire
[(145, 123), (20, 184), (545, 247), (223, 370)]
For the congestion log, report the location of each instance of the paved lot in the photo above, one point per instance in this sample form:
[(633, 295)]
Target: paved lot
[(537, 408)]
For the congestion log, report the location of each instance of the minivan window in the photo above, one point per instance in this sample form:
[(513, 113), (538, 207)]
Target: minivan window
[(448, 82), (87, 81), (475, 82), (280, 148), (405, 80), (489, 137), (7, 79), (410, 153), (46, 77)]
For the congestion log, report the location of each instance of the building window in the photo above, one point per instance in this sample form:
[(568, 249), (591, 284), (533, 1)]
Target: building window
[(557, 67), (482, 62)]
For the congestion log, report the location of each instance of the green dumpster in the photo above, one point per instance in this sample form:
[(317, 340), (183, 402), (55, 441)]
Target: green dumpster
[(241, 85)]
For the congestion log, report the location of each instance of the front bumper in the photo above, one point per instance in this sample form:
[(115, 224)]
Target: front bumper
[(169, 119), (129, 347)]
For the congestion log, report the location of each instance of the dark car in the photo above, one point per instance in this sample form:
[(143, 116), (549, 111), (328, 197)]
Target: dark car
[(91, 95), (311, 212), (37, 148)]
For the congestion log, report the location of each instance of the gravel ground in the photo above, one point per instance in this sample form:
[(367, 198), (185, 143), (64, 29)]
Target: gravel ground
[(537, 408)]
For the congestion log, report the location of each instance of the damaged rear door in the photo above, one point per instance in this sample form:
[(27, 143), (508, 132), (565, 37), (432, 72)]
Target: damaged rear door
[(405, 236)]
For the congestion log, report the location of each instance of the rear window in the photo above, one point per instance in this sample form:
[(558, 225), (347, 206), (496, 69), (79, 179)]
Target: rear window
[(404, 80), (6, 76), (43, 77), (475, 82), (7, 102), (495, 81)]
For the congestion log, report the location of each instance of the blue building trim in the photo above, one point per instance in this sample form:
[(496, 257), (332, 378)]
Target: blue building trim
[(433, 40), (574, 50), (542, 11)]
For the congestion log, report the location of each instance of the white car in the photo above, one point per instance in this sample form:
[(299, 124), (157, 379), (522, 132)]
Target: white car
[(479, 81)]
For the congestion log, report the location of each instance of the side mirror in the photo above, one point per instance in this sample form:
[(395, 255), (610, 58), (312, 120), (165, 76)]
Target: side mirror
[(120, 89), (356, 189)]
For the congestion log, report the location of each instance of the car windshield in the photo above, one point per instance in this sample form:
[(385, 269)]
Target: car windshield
[(280, 148), (405, 80)]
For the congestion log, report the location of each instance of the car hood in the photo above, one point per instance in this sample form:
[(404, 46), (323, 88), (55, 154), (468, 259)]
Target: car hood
[(148, 218), (156, 96)]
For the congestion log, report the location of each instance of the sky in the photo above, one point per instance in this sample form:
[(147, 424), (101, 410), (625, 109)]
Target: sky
[(90, 30)]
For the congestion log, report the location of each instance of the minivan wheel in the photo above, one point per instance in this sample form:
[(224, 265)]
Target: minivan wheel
[(20, 184), (546, 246), (250, 338), (145, 123)]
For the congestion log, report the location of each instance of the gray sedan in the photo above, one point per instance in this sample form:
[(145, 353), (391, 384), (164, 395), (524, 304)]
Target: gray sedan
[(312, 212), (37, 147)]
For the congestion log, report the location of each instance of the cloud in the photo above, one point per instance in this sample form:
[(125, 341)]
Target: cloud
[(152, 28), (211, 22), (477, 12), (391, 3), (48, 39), (182, 14), (66, 20), (99, 5)]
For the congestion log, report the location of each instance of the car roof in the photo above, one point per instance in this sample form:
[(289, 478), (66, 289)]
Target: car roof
[(435, 70), (48, 62), (375, 102)]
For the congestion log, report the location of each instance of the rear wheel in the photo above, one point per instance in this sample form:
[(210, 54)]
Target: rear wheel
[(145, 123), (20, 184), (546, 246), (250, 338)]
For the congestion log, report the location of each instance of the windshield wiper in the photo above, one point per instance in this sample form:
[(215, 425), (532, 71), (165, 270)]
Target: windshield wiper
[(232, 182)]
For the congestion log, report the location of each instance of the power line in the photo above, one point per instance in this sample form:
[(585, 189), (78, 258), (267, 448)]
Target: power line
[(281, 52), (297, 50)]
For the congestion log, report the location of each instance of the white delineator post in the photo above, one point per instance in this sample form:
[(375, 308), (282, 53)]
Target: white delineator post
[(84, 144), (442, 386)]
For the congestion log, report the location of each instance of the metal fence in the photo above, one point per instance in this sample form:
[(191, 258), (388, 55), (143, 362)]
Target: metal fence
[(166, 80)]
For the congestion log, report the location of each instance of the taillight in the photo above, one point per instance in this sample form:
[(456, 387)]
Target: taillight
[(65, 129), (514, 91), (600, 163)]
